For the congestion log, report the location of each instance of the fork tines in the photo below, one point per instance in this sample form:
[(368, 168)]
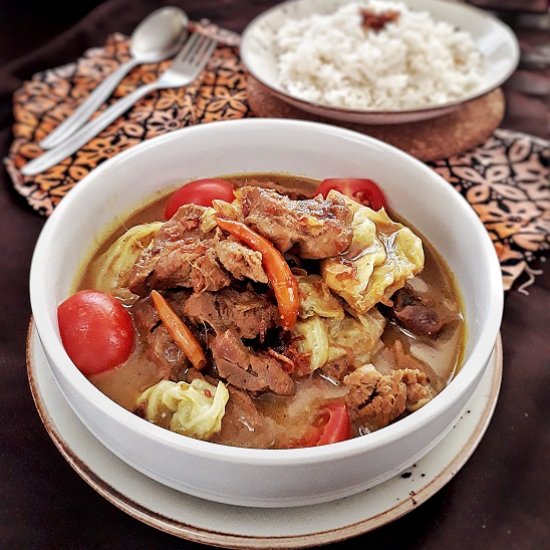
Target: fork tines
[(197, 48)]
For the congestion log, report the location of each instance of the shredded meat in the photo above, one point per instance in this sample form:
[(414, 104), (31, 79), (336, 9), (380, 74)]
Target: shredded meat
[(240, 261), (181, 256), (247, 313), (317, 228), (159, 346), (377, 21), (415, 314), (301, 362), (375, 400), (248, 370)]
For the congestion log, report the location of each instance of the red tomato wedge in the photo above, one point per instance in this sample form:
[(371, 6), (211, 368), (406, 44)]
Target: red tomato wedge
[(337, 426), (96, 331), (332, 424), (364, 191), (201, 192)]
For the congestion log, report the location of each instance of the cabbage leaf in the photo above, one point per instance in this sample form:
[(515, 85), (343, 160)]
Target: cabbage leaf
[(110, 271), (323, 340), (358, 339), (382, 256), (316, 298), (208, 220), (313, 340), (195, 409)]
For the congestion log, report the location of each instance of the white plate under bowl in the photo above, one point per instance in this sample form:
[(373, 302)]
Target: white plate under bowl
[(494, 39), (229, 526)]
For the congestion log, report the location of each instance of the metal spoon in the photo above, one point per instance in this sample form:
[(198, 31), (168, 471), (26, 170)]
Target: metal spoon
[(159, 36)]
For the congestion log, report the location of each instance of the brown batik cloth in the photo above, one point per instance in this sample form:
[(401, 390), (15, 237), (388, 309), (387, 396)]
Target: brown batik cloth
[(505, 180)]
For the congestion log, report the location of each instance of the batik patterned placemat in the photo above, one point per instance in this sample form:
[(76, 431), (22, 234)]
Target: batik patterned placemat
[(505, 179)]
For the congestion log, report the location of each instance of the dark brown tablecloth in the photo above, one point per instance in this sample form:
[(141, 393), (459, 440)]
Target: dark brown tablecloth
[(500, 499)]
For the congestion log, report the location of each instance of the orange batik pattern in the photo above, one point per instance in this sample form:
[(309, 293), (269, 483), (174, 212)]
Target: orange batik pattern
[(505, 180), (50, 96)]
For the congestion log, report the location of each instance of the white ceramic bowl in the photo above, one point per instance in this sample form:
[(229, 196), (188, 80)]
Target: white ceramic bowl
[(495, 40), (254, 477)]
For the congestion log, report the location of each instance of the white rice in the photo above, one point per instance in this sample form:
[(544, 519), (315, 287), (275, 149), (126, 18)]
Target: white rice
[(412, 63)]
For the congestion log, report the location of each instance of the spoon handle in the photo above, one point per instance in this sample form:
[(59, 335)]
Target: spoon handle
[(87, 132), (88, 107)]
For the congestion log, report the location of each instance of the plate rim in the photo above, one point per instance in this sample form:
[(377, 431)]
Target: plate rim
[(248, 541), (345, 113)]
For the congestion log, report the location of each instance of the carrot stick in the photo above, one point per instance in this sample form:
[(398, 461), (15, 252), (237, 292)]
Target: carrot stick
[(179, 331), (278, 271)]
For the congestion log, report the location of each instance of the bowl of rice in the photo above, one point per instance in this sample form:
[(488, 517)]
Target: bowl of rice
[(378, 61)]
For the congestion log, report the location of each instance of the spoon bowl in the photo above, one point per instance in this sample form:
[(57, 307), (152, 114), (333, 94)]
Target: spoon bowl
[(159, 36)]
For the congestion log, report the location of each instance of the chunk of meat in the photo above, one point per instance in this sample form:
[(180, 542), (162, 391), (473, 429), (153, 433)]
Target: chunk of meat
[(418, 376), (207, 274), (377, 21), (420, 320), (247, 313), (189, 253), (181, 255), (159, 347), (337, 369), (241, 419), (404, 360), (419, 389), (247, 370), (317, 228), (241, 261), (375, 400), (415, 314), (191, 373)]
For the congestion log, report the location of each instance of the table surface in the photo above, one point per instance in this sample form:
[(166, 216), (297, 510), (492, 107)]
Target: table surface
[(499, 499)]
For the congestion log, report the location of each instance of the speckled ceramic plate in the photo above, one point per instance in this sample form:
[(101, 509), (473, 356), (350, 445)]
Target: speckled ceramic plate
[(238, 527)]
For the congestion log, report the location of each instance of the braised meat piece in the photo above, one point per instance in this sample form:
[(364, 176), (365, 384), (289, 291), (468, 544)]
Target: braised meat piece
[(249, 370), (185, 255), (181, 256), (336, 370), (191, 373), (375, 400), (416, 315), (420, 378), (377, 21), (419, 388), (247, 313), (159, 346), (317, 228), (241, 421), (241, 261)]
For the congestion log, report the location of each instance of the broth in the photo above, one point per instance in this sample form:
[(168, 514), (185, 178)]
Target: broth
[(285, 416)]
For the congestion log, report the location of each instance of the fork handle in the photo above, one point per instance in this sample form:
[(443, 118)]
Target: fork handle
[(87, 132), (88, 107)]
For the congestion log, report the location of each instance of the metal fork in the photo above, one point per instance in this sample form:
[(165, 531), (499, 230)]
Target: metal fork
[(185, 68)]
